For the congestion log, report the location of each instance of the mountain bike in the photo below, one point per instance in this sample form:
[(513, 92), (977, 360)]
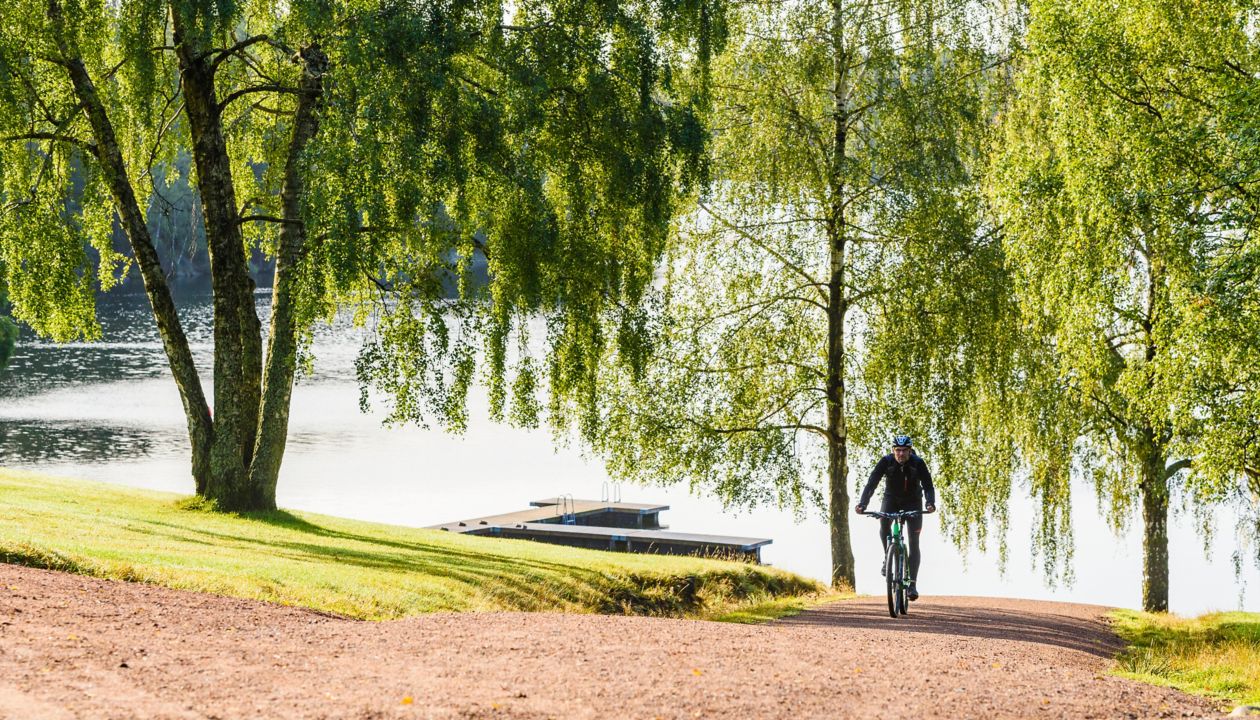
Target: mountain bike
[(896, 560)]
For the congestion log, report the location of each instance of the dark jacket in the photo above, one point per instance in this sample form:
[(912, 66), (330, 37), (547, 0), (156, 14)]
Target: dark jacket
[(906, 486)]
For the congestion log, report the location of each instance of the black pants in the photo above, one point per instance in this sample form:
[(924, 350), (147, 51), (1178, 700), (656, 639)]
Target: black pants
[(913, 526)]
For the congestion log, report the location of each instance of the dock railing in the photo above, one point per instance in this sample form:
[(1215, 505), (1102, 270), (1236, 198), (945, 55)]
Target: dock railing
[(610, 493)]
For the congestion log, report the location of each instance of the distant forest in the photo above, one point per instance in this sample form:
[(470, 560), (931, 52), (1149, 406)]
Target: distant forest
[(177, 224)]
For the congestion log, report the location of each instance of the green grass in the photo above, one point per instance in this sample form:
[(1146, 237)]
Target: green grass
[(357, 569), (777, 608), (1215, 655)]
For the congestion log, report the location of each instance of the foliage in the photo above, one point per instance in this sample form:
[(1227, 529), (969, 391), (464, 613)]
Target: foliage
[(1216, 655), (569, 176), (1125, 178), (357, 569)]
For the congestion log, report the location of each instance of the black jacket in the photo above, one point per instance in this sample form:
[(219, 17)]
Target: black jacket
[(906, 486)]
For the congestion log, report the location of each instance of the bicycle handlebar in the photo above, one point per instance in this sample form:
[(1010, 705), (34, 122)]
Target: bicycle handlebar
[(900, 514)]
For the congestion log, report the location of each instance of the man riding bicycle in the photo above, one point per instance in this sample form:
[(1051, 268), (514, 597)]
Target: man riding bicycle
[(908, 480)]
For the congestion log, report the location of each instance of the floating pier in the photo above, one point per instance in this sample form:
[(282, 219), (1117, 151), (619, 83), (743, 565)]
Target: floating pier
[(605, 525)]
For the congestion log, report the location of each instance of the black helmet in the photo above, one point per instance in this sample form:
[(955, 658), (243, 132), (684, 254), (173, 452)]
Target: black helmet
[(902, 441)]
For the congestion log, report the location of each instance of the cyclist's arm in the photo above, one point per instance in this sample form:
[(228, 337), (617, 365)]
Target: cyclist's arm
[(929, 490), (872, 481)]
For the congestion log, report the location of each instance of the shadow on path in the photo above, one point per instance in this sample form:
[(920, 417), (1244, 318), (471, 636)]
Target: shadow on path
[(1074, 628)]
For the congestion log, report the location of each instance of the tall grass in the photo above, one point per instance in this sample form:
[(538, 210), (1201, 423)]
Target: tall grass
[(1215, 655), (358, 569)]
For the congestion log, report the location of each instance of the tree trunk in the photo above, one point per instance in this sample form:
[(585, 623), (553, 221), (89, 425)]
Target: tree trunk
[(1154, 487), (114, 168), (282, 341), (1152, 454), (843, 574), (237, 333)]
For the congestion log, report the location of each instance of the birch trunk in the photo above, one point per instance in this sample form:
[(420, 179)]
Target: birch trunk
[(174, 342), (282, 340), (237, 333), (843, 574)]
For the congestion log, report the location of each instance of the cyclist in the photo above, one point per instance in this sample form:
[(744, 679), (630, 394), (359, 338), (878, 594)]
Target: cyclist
[(908, 480)]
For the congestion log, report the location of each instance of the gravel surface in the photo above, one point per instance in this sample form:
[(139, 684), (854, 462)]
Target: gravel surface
[(77, 647)]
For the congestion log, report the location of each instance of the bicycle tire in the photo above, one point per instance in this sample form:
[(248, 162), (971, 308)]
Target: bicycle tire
[(900, 579), (889, 575)]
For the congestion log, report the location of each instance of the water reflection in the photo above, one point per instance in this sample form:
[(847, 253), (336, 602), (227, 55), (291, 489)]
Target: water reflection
[(33, 442), (113, 400)]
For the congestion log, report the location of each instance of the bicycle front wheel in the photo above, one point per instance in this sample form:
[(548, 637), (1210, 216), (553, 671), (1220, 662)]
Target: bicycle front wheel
[(899, 580), (891, 578)]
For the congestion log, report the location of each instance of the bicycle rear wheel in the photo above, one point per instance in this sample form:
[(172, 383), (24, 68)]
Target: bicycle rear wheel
[(890, 578)]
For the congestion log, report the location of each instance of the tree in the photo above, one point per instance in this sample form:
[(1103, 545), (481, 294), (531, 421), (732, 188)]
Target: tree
[(440, 123), (8, 331), (843, 219), (1126, 179)]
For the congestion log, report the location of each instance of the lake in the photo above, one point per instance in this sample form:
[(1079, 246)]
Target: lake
[(108, 411)]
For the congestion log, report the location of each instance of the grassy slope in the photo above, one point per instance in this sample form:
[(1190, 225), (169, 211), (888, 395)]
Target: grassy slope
[(1215, 655), (358, 569)]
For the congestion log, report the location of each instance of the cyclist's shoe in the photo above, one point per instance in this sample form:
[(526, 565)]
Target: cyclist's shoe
[(913, 592), (883, 568)]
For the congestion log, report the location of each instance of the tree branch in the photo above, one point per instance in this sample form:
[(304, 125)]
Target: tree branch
[(56, 137), (225, 53), (810, 279), (1177, 467), (267, 218), (256, 89)]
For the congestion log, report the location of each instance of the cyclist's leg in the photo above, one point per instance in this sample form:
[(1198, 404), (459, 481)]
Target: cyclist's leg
[(885, 535), (914, 527)]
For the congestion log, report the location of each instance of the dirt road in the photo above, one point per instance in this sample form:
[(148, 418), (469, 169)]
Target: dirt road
[(75, 647)]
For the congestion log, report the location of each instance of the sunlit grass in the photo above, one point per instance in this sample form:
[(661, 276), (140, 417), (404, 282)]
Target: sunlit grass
[(358, 569), (1215, 655), (777, 608)]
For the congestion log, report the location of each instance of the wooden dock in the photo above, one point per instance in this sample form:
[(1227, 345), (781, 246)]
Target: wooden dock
[(604, 525)]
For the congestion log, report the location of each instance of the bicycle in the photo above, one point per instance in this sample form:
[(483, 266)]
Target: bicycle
[(895, 574)]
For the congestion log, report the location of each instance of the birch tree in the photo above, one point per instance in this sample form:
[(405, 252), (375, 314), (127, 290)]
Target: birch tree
[(803, 294), (391, 133), (1127, 180)]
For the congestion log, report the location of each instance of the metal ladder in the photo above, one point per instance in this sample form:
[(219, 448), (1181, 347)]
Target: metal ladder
[(610, 494), (568, 514)]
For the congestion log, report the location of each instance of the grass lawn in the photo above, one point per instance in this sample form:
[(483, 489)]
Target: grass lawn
[(1216, 655), (359, 569)]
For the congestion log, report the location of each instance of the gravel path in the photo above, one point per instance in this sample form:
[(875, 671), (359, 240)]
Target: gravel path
[(76, 647)]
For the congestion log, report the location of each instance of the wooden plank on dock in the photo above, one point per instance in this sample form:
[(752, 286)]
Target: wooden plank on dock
[(544, 510)]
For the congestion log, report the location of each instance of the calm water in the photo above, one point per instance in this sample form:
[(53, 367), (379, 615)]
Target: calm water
[(108, 411)]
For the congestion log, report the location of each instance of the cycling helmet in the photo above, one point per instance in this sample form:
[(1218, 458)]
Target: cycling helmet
[(902, 441)]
